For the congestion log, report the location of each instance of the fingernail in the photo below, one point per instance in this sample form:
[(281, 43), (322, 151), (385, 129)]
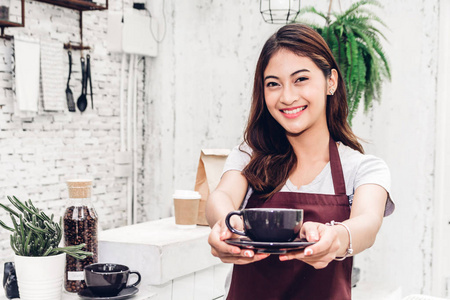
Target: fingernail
[(248, 253), (222, 235), (283, 257), (308, 251)]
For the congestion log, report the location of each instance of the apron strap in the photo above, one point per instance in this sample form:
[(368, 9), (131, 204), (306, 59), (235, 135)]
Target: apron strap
[(336, 169)]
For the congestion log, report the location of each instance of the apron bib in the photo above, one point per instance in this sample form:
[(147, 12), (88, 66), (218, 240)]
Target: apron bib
[(272, 279)]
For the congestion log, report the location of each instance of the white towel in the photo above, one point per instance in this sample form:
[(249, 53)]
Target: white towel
[(26, 72), (52, 71)]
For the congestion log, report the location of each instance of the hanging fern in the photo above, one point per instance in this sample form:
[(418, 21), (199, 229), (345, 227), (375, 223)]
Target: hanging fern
[(355, 43)]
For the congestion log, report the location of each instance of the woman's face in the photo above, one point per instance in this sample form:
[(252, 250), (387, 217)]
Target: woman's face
[(295, 91)]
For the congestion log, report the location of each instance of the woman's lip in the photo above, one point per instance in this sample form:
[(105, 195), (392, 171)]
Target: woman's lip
[(293, 112)]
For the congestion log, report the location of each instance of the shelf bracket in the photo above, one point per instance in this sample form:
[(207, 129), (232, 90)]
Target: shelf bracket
[(3, 36), (80, 46)]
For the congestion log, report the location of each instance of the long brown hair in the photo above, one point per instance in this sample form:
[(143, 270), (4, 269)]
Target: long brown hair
[(273, 157)]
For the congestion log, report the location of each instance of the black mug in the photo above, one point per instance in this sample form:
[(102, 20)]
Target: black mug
[(10, 281), (107, 279), (268, 224)]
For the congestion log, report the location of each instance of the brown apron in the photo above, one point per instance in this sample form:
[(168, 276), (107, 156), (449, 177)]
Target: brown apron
[(273, 279)]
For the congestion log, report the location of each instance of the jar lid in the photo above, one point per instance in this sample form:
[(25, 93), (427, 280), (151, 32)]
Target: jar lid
[(79, 183), (79, 188)]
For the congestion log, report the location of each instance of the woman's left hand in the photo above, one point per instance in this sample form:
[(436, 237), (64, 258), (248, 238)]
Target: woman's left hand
[(323, 251)]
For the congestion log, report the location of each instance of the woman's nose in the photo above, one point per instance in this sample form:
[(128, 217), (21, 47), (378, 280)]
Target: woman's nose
[(289, 95)]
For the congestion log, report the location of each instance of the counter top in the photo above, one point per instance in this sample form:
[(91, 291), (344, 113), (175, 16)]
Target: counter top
[(159, 250), (160, 233)]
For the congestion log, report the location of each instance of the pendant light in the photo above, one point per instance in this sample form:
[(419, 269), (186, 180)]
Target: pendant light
[(279, 11)]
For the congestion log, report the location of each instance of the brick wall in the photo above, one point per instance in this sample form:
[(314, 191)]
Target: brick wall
[(38, 155)]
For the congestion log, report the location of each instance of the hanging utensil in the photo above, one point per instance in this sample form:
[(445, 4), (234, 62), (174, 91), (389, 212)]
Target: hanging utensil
[(88, 73), (82, 100), (69, 94)]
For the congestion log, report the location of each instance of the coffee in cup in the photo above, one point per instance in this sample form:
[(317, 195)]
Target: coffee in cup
[(108, 279), (186, 208), (268, 224)]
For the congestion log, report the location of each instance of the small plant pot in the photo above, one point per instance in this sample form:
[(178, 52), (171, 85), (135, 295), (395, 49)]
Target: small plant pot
[(40, 277)]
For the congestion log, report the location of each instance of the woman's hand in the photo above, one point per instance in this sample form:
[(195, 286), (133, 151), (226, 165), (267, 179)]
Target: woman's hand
[(323, 251), (228, 253)]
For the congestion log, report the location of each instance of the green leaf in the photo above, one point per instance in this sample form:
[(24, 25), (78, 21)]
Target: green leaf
[(6, 227), (9, 210), (355, 43)]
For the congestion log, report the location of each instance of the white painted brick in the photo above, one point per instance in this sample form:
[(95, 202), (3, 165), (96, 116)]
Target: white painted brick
[(99, 190), (49, 195), (25, 150), (5, 134), (63, 118), (49, 180), (106, 112), (82, 134)]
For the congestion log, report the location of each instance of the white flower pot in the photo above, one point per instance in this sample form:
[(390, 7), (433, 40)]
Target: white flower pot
[(40, 277)]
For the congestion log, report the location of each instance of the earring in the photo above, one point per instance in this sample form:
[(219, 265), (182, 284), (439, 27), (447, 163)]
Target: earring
[(331, 92)]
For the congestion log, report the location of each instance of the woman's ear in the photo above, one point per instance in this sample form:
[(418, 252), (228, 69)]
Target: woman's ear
[(332, 82)]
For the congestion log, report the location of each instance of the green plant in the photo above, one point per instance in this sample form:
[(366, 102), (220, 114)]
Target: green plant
[(355, 43), (36, 234)]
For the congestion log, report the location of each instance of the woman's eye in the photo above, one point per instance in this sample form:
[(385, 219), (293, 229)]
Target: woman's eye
[(301, 79), (271, 84)]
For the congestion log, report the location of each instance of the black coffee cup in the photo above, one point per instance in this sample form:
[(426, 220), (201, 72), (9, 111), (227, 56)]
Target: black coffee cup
[(268, 224), (107, 279)]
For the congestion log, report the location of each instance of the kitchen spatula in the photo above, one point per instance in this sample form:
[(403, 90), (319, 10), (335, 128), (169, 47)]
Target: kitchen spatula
[(69, 94)]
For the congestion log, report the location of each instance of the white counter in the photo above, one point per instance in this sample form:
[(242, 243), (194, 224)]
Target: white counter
[(159, 250), (175, 264)]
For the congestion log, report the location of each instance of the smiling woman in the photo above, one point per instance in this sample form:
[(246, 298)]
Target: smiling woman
[(300, 93), (299, 152)]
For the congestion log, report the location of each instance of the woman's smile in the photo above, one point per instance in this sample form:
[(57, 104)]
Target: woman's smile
[(293, 112)]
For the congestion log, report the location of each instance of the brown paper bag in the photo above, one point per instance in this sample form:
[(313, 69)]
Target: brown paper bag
[(210, 167)]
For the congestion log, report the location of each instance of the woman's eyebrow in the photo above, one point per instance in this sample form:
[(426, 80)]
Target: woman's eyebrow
[(270, 76), (293, 74), (299, 71)]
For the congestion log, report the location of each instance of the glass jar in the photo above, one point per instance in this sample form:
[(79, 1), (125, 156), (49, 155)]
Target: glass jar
[(80, 226)]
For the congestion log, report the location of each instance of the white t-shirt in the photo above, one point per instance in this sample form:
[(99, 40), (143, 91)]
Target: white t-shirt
[(358, 169)]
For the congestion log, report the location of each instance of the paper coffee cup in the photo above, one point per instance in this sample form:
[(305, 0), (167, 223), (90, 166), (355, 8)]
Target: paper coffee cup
[(186, 208)]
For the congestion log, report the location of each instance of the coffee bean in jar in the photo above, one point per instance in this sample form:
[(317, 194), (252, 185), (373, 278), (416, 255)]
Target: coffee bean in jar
[(80, 226)]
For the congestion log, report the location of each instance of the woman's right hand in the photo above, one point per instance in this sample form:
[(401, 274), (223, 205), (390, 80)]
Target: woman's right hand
[(228, 253)]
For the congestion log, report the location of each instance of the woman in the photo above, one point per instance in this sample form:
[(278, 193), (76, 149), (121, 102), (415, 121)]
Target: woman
[(299, 152)]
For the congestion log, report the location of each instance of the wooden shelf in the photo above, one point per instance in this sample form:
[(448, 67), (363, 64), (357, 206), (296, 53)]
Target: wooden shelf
[(80, 5), (5, 23), (8, 23), (77, 4)]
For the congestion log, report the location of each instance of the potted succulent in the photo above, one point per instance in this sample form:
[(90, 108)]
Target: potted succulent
[(39, 261), (355, 41)]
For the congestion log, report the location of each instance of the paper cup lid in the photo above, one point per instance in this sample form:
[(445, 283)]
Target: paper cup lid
[(186, 194)]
